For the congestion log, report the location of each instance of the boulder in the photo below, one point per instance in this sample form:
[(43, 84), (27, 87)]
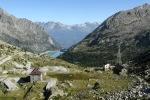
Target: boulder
[(51, 83), (9, 85), (123, 72)]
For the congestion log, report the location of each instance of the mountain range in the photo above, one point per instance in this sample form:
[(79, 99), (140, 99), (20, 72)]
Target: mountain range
[(118, 50), (24, 33), (39, 37), (119, 39), (68, 35)]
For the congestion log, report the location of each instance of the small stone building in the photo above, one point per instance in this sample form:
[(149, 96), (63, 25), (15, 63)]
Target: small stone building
[(35, 75), (108, 67)]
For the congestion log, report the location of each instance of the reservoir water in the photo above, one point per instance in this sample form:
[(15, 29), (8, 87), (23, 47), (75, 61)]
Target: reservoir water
[(55, 54)]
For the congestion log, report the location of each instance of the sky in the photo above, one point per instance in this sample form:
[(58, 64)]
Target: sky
[(67, 11)]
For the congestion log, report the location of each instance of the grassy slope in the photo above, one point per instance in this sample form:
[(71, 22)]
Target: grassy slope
[(80, 80)]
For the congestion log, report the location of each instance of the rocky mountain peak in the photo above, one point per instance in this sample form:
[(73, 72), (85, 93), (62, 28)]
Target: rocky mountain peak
[(144, 6), (24, 33), (129, 30), (3, 12)]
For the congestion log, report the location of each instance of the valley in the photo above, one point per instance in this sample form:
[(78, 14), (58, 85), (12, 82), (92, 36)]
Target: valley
[(68, 35), (62, 80), (90, 61), (67, 80)]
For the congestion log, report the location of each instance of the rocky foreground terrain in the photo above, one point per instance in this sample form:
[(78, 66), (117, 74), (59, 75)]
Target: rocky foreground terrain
[(112, 63), (63, 80), (25, 34)]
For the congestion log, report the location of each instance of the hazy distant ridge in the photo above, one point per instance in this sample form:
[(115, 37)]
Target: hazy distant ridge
[(68, 35)]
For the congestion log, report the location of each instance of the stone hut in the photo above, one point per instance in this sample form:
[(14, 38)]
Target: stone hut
[(35, 75), (108, 67)]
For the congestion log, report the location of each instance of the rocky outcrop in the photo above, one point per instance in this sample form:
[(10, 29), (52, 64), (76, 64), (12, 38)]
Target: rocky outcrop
[(139, 90), (24, 33), (119, 39)]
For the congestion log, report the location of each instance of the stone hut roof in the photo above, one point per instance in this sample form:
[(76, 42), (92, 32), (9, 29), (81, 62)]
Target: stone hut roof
[(35, 72)]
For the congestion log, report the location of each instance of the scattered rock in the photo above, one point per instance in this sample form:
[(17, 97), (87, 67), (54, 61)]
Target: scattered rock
[(9, 84), (51, 83), (5, 72), (123, 72), (96, 86), (137, 91)]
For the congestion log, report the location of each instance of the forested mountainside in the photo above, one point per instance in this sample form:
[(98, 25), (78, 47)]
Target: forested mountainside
[(119, 39)]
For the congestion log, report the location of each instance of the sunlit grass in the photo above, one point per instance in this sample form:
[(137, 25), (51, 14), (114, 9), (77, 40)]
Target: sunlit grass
[(108, 81)]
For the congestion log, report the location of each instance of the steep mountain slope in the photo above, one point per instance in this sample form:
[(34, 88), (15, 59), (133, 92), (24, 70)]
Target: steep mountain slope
[(119, 39), (24, 33), (68, 35)]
